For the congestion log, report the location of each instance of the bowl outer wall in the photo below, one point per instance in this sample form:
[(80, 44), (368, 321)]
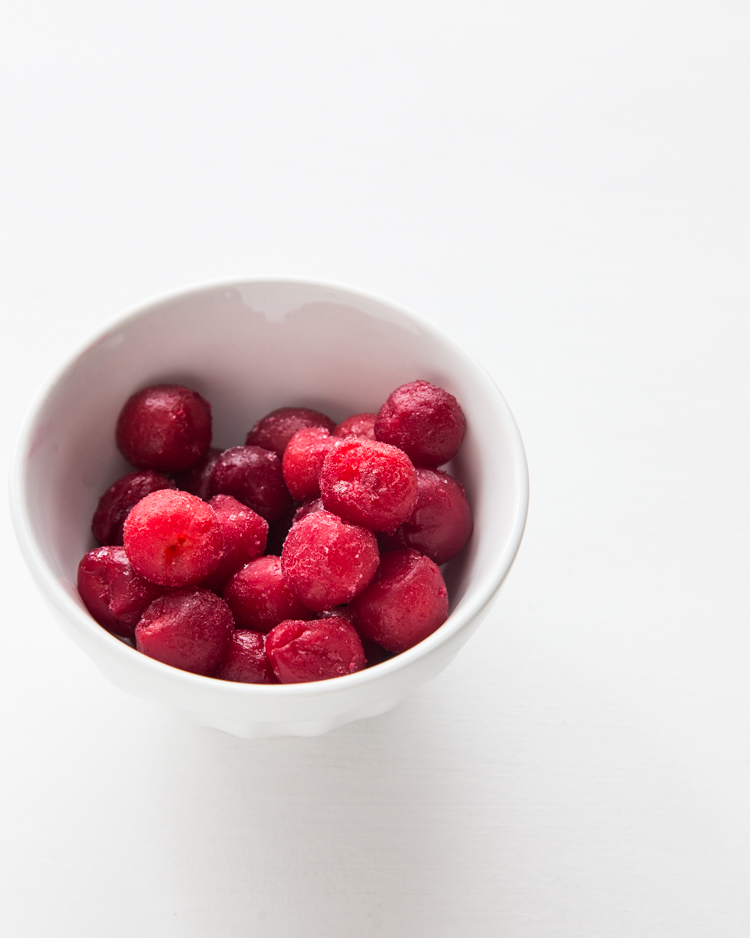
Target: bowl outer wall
[(292, 342)]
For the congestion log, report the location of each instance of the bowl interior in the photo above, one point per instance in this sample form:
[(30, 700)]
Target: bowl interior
[(249, 348)]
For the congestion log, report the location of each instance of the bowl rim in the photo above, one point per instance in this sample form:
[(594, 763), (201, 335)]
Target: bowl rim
[(472, 604)]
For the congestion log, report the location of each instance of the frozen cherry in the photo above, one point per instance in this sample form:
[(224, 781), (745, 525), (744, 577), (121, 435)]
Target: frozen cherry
[(374, 653), (307, 508), (369, 483), (441, 523), (173, 538), (120, 497), (276, 429), (278, 530), (314, 651), (260, 597), (197, 480), (112, 591), (253, 476), (303, 460), (362, 425), (406, 601), (243, 533), (327, 561), (245, 660), (165, 427), (186, 628), (423, 420)]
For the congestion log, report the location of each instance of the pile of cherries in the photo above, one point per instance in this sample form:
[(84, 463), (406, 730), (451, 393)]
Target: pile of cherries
[(311, 552)]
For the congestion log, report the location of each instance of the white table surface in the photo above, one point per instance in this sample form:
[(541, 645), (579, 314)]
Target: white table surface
[(561, 186)]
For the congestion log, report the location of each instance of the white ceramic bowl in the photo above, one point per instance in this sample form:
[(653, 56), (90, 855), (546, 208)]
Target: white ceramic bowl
[(249, 347)]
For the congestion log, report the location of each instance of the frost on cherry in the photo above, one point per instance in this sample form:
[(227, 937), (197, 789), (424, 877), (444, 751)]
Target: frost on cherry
[(309, 553)]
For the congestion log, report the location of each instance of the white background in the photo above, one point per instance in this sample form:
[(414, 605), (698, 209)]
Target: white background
[(563, 188)]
